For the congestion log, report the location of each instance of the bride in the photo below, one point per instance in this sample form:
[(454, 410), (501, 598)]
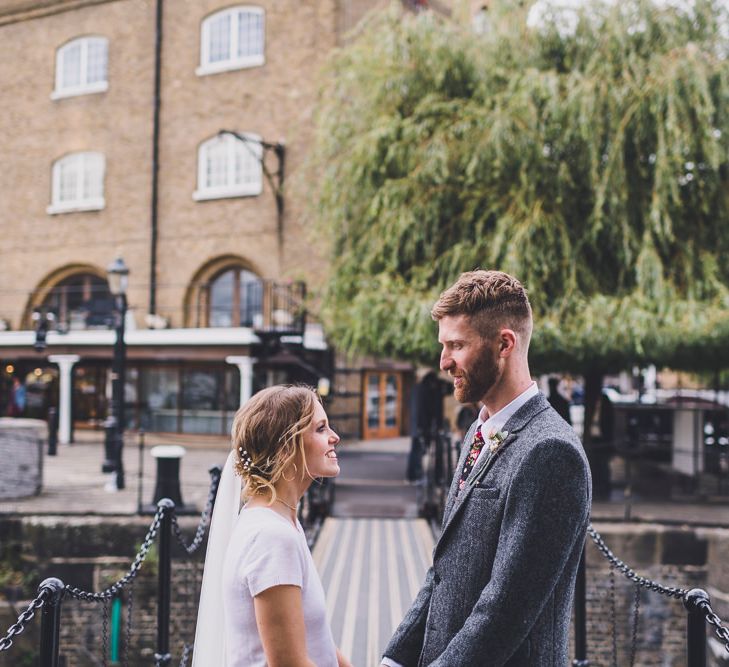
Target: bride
[(262, 602)]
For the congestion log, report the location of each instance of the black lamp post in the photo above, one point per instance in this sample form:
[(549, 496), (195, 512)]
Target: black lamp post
[(118, 277)]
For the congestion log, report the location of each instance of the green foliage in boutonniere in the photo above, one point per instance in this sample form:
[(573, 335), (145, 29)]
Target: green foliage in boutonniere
[(496, 439)]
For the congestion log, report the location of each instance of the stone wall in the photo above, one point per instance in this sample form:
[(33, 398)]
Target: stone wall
[(93, 552), (21, 453)]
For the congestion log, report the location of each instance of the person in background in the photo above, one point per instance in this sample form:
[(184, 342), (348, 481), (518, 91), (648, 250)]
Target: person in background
[(557, 401), (426, 418), (16, 404)]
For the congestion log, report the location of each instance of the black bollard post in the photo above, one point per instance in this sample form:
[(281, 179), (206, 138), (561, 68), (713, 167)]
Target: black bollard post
[(581, 615), (168, 473), (163, 657), (52, 431), (109, 464), (51, 622), (696, 627)]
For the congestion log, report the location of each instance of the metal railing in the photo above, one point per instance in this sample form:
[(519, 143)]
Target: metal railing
[(52, 591)]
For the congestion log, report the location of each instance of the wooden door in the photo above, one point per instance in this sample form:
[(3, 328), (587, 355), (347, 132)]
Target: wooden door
[(382, 404)]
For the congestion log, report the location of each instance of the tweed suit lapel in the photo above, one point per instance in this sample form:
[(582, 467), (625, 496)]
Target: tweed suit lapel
[(517, 422), (465, 448)]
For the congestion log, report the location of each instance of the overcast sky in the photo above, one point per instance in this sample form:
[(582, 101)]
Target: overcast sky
[(563, 13)]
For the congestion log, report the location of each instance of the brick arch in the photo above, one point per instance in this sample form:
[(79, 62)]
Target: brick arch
[(51, 280), (194, 306)]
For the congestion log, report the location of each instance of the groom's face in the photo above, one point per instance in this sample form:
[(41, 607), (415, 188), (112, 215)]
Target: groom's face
[(469, 358)]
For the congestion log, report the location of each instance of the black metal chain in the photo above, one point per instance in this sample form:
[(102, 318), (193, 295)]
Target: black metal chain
[(626, 571), (186, 650), (712, 619), (613, 616), (116, 588), (128, 635), (636, 617), (105, 632), (187, 647), (613, 621), (204, 522), (16, 628)]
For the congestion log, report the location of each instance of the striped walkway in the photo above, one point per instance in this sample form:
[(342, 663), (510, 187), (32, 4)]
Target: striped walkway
[(372, 570)]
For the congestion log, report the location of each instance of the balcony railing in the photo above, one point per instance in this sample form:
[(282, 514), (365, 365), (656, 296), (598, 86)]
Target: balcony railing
[(283, 309)]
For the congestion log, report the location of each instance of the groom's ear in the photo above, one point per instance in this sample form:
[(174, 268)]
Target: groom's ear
[(507, 342)]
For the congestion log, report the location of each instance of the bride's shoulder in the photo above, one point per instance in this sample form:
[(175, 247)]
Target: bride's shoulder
[(263, 523)]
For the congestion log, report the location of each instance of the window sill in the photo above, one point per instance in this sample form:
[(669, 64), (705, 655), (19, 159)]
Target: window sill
[(76, 207), (204, 195), (230, 65), (76, 92)]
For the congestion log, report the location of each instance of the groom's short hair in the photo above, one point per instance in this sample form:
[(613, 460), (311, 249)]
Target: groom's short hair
[(493, 299)]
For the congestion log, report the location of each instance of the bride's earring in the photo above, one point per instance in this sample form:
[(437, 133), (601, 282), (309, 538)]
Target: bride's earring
[(292, 478)]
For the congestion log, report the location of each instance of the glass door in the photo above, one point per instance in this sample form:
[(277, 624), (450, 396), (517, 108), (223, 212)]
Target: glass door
[(382, 404)]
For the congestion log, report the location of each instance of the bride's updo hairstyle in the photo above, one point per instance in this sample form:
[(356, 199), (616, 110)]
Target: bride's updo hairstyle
[(268, 436)]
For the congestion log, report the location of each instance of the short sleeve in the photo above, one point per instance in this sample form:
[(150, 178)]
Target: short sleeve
[(274, 560)]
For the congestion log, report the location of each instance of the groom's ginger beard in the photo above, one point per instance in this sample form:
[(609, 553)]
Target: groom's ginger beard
[(478, 380)]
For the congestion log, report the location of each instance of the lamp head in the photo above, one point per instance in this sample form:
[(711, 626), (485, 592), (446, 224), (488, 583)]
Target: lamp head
[(118, 277)]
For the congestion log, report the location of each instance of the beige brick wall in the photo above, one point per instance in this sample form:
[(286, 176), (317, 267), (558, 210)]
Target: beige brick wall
[(275, 101), (36, 130)]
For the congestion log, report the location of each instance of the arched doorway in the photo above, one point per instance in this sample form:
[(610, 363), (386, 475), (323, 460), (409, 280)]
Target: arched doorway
[(80, 301)]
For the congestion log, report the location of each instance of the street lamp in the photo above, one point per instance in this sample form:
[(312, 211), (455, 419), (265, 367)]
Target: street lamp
[(118, 278)]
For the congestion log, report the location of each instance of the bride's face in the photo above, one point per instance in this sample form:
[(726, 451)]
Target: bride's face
[(319, 444)]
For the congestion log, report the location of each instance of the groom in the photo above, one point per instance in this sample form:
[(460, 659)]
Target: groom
[(501, 585)]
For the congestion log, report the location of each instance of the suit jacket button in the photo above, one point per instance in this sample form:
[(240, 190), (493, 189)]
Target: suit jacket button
[(436, 578)]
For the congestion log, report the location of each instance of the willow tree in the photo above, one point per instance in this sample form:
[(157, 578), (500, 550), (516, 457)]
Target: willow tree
[(592, 164)]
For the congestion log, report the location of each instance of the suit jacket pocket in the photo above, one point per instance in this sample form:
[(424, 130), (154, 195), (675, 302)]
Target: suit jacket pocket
[(485, 492)]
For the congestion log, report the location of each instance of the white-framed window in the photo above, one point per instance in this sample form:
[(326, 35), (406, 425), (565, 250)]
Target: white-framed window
[(229, 167), (81, 67), (78, 183), (233, 38)]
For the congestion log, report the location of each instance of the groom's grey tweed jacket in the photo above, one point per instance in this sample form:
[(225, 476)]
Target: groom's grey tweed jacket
[(501, 585)]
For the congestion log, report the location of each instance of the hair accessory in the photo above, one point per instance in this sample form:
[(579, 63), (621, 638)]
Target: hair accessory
[(245, 458)]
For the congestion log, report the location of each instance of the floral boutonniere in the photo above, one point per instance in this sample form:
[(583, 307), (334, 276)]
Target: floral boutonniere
[(496, 439)]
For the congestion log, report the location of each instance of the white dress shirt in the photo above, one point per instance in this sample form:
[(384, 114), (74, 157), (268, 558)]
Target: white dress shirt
[(489, 424), (492, 424)]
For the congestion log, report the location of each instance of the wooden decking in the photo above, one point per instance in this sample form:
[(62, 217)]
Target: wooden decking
[(372, 570)]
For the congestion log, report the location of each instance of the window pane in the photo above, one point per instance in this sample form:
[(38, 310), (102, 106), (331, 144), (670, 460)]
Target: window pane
[(219, 38), (216, 164), (221, 300), (80, 302), (96, 61), (93, 181), (71, 65), (250, 34), (158, 399), (201, 408), (68, 180), (248, 162), (390, 401), (251, 298), (372, 399), (200, 390)]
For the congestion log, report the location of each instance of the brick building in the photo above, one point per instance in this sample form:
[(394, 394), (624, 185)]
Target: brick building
[(111, 137)]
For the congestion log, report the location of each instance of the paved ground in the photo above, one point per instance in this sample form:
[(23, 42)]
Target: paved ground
[(373, 485)]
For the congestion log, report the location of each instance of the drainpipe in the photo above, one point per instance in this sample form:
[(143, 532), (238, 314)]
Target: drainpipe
[(155, 161)]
